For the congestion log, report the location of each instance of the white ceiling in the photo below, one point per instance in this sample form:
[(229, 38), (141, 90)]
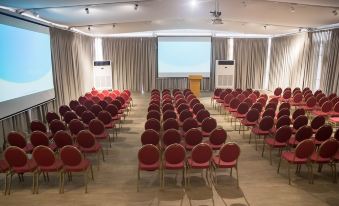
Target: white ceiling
[(240, 16)]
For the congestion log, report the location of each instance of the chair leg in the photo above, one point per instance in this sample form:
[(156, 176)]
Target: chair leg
[(37, 183), (335, 172), (63, 181), (60, 181), (311, 173), (289, 173), (103, 155), (263, 148), (6, 180), (138, 180), (270, 150), (92, 172), (256, 143), (85, 179), (236, 167), (98, 159), (279, 165), (231, 172), (249, 141)]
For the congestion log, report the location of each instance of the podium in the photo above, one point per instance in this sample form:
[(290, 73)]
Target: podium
[(194, 84)]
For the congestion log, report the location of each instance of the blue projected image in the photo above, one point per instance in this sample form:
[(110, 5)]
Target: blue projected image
[(25, 62), (181, 56)]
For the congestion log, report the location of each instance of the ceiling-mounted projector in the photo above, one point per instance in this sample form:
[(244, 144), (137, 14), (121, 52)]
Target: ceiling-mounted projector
[(216, 19)]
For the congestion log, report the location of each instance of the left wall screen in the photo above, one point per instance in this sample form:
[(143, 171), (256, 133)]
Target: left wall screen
[(26, 76)]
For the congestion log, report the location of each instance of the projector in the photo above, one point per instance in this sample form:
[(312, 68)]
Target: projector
[(217, 21)]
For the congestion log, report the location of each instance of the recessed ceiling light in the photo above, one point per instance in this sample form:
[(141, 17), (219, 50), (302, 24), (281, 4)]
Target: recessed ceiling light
[(335, 13), (89, 28), (87, 10), (292, 9), (136, 6), (193, 3)]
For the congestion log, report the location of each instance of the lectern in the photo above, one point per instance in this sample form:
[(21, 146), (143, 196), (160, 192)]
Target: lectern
[(194, 84)]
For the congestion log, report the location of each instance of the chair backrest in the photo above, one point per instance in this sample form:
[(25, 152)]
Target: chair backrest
[(149, 154), (197, 108), (249, 101), (257, 93), (218, 136), (73, 104), (154, 114), (108, 99), (182, 107), (217, 92), (243, 108), (193, 137), (193, 102), (167, 107), (169, 114), (202, 115), (82, 100), (69, 116), (317, 92), (190, 97), (56, 125), (336, 135), (62, 138), (105, 117), (283, 112), (201, 153), (287, 95), (252, 115), (63, 109), (150, 136), (336, 107), (297, 98), (266, 123), (39, 138), (328, 148), (335, 100), (208, 125), (43, 156), (16, 139), (323, 100), (153, 107), (253, 97), (80, 109), (300, 121), (96, 108), (269, 113), (50, 116), (75, 126), (170, 124), (274, 100), (234, 103), (121, 100), (277, 91), (229, 152), (326, 107), (112, 109), (332, 95), (285, 105), (71, 156), (87, 116), (96, 127), (317, 122), (228, 98), (241, 97), (174, 154), (180, 101), (304, 149), (258, 106), (85, 139), (304, 132), (15, 156), (283, 121), (283, 134), (271, 105), (153, 124), (171, 136), (103, 103), (37, 125), (311, 102), (324, 133), (189, 123), (185, 115), (117, 103), (262, 101)]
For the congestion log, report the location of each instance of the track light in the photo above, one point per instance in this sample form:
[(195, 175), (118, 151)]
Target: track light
[(265, 27), (114, 26), (89, 28), (87, 10), (335, 13), (136, 6)]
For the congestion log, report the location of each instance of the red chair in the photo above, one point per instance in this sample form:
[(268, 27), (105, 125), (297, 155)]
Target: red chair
[(82, 100), (57, 125), (277, 92), (62, 138), (153, 124), (174, 159), (149, 160), (192, 138), (19, 164), (233, 105), (283, 112), (153, 107), (98, 129), (271, 105), (228, 98), (171, 136), (335, 111), (299, 122), (323, 133), (325, 109), (311, 102), (87, 117), (240, 113), (216, 95), (197, 108), (96, 99), (286, 96), (250, 119), (227, 158), (217, 138), (325, 154), (95, 109), (69, 116), (167, 107), (79, 110), (39, 138), (193, 102), (222, 96), (106, 118), (279, 141), (285, 105), (184, 115), (304, 132), (182, 107), (37, 125), (4, 168), (74, 161), (207, 126), (317, 122), (258, 106), (75, 126), (282, 121), (50, 116), (46, 162), (114, 111), (63, 109), (73, 104), (150, 136), (18, 140), (189, 124), (170, 124), (300, 156), (103, 104), (262, 102), (202, 115), (154, 114), (87, 144), (169, 114), (200, 159), (297, 100), (263, 129), (109, 99)]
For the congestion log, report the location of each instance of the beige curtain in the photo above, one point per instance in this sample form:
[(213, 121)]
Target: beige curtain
[(329, 81), (220, 47), (290, 65), (133, 62), (250, 62)]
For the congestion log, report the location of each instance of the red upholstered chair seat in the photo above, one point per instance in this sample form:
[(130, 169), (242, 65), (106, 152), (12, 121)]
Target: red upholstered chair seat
[(221, 164)]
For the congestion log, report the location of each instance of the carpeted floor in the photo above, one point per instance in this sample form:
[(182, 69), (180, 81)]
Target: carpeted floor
[(115, 182)]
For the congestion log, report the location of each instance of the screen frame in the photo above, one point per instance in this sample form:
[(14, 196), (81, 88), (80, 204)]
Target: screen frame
[(157, 54), (49, 100)]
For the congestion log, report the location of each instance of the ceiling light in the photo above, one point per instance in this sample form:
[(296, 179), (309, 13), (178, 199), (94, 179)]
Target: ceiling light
[(244, 4), (89, 28), (265, 27), (87, 10), (193, 3), (136, 6), (335, 13), (114, 26), (292, 9)]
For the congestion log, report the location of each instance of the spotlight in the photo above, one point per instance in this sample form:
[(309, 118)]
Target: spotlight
[(300, 29), (193, 3), (335, 13), (136, 6), (265, 27), (89, 28), (87, 10), (114, 26), (292, 9)]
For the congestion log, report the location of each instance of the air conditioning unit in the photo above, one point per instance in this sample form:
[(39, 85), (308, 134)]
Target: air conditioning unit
[(224, 74), (102, 75)]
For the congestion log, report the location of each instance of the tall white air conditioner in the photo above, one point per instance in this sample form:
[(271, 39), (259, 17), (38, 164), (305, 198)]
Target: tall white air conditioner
[(224, 74), (102, 75)]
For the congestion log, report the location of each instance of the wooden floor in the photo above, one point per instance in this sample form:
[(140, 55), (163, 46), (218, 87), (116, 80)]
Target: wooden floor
[(115, 182)]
